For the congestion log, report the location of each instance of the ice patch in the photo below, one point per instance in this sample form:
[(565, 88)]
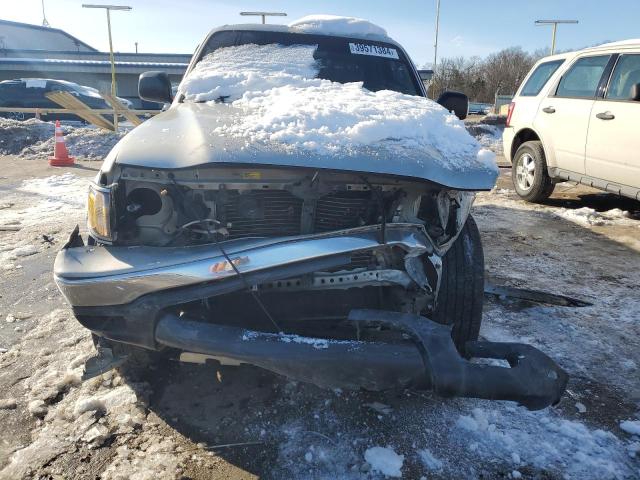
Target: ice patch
[(546, 442), (336, 25), (51, 197), (24, 251), (589, 216), (106, 402), (385, 460), (631, 426), (158, 460), (429, 461)]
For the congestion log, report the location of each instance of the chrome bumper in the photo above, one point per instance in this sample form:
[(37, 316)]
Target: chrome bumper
[(109, 275)]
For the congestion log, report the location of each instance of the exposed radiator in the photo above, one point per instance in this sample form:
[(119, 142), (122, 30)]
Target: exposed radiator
[(259, 213), (338, 211), (268, 213)]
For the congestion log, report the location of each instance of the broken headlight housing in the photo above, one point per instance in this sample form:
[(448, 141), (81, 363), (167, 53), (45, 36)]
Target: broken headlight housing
[(99, 208)]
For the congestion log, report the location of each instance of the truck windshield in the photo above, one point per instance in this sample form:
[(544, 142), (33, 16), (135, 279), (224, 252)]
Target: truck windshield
[(378, 65)]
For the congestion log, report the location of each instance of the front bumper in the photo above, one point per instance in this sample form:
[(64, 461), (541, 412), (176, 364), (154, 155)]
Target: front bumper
[(102, 276), (126, 295), (432, 362)]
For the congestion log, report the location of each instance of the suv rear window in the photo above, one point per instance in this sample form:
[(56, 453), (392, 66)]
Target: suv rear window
[(539, 78), (625, 75), (583, 78)]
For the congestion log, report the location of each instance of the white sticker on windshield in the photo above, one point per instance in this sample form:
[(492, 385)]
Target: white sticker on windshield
[(36, 83), (373, 50)]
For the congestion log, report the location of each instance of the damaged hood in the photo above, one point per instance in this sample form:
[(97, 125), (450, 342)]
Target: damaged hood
[(189, 135)]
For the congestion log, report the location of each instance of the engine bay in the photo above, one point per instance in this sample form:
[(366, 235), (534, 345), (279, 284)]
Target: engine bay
[(199, 206)]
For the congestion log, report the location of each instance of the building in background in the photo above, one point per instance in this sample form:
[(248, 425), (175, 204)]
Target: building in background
[(32, 51)]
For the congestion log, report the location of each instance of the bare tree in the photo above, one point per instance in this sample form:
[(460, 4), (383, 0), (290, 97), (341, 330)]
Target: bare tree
[(481, 79)]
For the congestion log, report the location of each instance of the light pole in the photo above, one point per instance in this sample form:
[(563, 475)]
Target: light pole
[(435, 47), (263, 15), (45, 23), (554, 23), (108, 9)]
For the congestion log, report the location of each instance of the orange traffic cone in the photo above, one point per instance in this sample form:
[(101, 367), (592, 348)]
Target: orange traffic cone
[(60, 157)]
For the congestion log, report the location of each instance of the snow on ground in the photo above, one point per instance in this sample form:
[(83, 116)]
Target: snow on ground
[(631, 426), (585, 216), (489, 136), (589, 216), (336, 25), (283, 102), (84, 416), (34, 139), (385, 461), (544, 441), (38, 205)]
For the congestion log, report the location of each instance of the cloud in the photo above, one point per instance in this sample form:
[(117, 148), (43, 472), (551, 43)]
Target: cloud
[(457, 41)]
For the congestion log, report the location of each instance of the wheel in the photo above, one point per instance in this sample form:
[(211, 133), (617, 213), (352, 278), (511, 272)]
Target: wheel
[(461, 293), (529, 173)]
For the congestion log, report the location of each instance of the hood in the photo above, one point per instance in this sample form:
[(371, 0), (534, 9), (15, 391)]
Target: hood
[(185, 136)]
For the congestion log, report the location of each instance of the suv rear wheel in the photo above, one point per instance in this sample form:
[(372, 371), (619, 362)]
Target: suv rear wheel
[(529, 172)]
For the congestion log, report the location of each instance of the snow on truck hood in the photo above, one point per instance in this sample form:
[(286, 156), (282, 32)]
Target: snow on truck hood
[(254, 104)]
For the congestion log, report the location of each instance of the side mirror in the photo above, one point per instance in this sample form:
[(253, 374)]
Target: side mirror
[(425, 75), (455, 102), (635, 92), (154, 87)]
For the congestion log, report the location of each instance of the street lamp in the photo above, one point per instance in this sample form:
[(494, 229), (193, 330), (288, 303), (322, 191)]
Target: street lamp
[(263, 15), (108, 8), (435, 46), (555, 26), (45, 23)]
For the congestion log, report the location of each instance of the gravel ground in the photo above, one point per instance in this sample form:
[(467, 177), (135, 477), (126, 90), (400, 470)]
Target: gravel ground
[(197, 422)]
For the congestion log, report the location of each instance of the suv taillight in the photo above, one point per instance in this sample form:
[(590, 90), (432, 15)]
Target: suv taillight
[(512, 106)]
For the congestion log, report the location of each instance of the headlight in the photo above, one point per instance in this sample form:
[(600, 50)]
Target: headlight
[(99, 212)]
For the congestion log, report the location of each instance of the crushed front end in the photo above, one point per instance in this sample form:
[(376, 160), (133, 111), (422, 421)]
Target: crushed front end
[(322, 276)]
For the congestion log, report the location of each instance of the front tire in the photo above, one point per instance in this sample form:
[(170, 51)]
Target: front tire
[(529, 173), (461, 294)]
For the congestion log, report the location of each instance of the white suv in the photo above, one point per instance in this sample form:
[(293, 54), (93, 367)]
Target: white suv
[(576, 117)]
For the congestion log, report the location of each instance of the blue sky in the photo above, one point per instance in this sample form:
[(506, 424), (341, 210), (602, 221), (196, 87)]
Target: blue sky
[(467, 27)]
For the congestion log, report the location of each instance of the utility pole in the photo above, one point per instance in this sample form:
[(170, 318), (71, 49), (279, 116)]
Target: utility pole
[(108, 8), (435, 47), (554, 24), (136, 47), (263, 15), (45, 23)]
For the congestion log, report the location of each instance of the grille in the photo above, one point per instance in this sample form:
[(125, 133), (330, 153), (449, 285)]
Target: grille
[(267, 213), (337, 211)]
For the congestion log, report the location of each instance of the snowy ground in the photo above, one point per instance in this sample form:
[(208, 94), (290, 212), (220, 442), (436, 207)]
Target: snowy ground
[(185, 421), (33, 139), (488, 135)]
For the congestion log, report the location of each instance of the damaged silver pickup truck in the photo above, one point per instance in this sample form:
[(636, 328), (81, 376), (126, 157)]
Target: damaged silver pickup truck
[(355, 266)]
